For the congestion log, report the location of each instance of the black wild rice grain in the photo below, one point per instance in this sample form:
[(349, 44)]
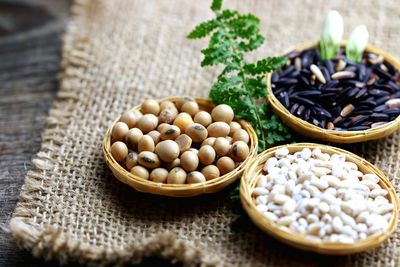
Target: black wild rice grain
[(367, 86)]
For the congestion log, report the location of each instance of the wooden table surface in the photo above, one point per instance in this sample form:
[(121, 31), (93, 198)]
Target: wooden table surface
[(30, 54)]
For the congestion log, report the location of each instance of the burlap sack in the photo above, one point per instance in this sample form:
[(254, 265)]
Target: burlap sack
[(116, 54)]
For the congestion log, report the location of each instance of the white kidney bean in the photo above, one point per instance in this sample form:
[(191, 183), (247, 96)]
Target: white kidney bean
[(282, 152), (305, 153), (262, 208), (271, 216), (371, 185), (259, 191), (262, 199), (289, 207), (371, 177), (378, 192)]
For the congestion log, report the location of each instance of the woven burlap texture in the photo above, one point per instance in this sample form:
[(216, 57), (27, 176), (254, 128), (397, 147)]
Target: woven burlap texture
[(115, 55)]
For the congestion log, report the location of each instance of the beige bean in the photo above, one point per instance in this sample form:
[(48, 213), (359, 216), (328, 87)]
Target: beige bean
[(150, 106), (159, 175), (149, 160), (225, 165), (210, 172), (179, 103), (133, 137), (209, 141), (189, 161), (239, 151), (234, 126), (168, 115), (147, 123), (167, 150), (146, 143), (140, 172), (131, 160), (197, 132), (195, 177), (129, 118), (223, 113), (203, 117), (119, 131), (241, 135), (119, 151), (170, 133), (221, 146), (207, 155), (190, 107), (184, 142), (218, 129), (166, 104), (176, 176), (155, 135), (183, 120)]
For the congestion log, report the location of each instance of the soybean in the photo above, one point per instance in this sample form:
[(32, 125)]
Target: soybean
[(225, 165), (148, 159), (159, 175), (176, 176), (147, 123), (210, 172), (239, 151), (150, 106), (170, 132), (146, 143), (207, 155), (204, 118), (195, 177), (196, 132), (167, 150), (218, 129), (133, 137), (222, 113), (140, 171), (189, 161), (130, 118), (131, 160), (221, 146), (119, 151), (119, 131)]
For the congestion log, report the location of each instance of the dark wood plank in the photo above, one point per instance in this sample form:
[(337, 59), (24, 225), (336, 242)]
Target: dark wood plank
[(30, 37)]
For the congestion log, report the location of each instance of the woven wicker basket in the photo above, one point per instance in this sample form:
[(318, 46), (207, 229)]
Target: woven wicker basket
[(179, 190), (310, 130), (248, 183)]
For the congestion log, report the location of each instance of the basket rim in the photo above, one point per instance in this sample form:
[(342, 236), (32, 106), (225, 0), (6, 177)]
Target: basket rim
[(298, 240), (182, 190), (350, 136)]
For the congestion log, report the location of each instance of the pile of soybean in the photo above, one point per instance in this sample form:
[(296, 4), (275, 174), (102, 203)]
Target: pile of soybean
[(178, 143), (338, 94)]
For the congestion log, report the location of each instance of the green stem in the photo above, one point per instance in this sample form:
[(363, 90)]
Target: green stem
[(241, 74)]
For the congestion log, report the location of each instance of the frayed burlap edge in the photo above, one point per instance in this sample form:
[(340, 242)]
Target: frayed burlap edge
[(50, 242)]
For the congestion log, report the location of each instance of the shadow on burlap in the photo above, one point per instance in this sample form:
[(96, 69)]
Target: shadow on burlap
[(116, 54)]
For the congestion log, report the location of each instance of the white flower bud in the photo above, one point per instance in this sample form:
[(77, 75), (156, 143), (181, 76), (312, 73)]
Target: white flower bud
[(332, 35), (357, 42)]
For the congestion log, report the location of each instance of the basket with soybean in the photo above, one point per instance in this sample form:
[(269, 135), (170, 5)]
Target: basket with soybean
[(179, 190), (310, 130), (249, 181)]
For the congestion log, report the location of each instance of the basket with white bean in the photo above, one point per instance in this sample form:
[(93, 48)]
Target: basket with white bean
[(320, 198)]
